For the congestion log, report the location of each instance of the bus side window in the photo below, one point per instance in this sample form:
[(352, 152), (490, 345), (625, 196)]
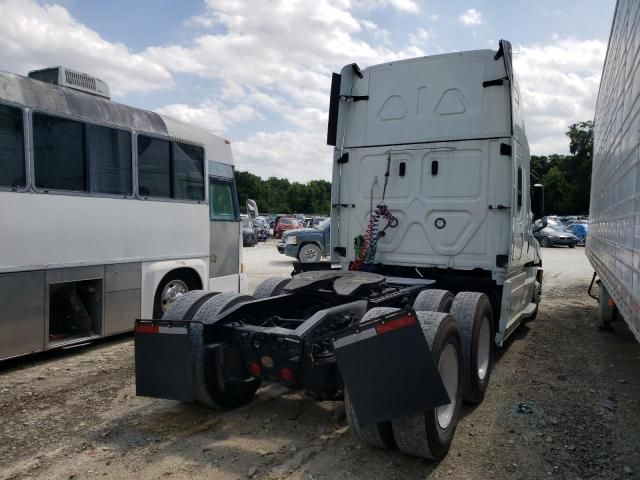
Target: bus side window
[(12, 165), (109, 160), (59, 153), (154, 167), (188, 172), (221, 205)]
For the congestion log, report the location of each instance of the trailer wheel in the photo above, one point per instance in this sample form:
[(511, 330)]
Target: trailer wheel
[(472, 311), (270, 287), (433, 300), (379, 435), (429, 434), (210, 388)]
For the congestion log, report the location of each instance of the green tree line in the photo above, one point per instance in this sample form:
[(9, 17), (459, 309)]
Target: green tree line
[(566, 179), (279, 195)]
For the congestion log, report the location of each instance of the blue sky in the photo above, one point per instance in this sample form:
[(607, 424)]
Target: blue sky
[(258, 71)]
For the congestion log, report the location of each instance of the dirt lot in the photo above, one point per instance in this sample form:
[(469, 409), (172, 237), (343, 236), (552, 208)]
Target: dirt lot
[(564, 402)]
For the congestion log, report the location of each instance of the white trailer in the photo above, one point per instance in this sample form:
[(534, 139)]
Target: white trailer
[(108, 212), (613, 242)]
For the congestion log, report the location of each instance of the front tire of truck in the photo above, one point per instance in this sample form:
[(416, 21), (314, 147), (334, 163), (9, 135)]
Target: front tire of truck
[(429, 434), (211, 387), (433, 300), (473, 312), (379, 435)]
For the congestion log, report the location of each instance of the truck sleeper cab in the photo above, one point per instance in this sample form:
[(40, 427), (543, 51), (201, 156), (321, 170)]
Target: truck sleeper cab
[(440, 142), (431, 228)]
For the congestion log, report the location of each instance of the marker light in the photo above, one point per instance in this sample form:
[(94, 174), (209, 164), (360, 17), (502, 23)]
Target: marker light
[(254, 369), (286, 374)]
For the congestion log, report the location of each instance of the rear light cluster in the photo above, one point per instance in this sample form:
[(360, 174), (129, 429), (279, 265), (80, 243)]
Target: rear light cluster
[(255, 370)]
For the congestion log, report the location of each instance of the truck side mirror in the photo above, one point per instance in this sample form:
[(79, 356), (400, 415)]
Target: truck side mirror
[(537, 201)]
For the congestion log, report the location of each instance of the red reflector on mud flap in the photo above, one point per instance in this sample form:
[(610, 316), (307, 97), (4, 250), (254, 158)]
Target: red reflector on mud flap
[(141, 328), (395, 324)]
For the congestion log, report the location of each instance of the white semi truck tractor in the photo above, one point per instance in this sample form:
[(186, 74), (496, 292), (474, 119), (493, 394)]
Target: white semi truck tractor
[(613, 242), (433, 264)]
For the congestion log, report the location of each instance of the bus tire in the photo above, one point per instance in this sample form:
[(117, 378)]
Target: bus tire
[(209, 387), (174, 284), (473, 312), (270, 287), (379, 435), (429, 434), (433, 300)]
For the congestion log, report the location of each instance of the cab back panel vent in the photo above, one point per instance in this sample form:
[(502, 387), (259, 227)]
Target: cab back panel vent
[(66, 77)]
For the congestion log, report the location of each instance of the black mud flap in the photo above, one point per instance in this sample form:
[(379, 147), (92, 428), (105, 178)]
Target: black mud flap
[(388, 369), (163, 360)]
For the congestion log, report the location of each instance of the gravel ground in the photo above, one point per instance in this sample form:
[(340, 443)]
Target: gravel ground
[(563, 403)]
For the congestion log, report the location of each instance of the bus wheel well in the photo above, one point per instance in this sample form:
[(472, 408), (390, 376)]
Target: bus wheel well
[(187, 274), (174, 283)]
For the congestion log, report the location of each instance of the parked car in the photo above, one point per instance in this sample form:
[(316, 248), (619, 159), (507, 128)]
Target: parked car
[(580, 230), (554, 235), (262, 229), (283, 224), (308, 245), (249, 237)]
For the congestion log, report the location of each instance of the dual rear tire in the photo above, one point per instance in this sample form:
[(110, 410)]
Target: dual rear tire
[(425, 434), (459, 332), (213, 387)]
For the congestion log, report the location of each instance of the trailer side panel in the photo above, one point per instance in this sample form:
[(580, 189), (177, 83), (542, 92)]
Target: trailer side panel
[(613, 243)]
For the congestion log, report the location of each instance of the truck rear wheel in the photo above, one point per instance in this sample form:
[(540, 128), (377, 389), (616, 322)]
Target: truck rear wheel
[(210, 386), (270, 287), (180, 308), (472, 311), (429, 434), (433, 300), (379, 435)]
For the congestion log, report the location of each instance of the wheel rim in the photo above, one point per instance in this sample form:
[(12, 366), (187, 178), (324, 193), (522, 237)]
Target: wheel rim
[(448, 369), (309, 255), (171, 292), (484, 348)]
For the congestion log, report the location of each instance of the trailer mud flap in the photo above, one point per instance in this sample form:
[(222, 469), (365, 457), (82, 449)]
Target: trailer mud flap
[(163, 360), (388, 369)]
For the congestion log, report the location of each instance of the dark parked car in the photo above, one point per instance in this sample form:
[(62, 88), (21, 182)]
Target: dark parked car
[(580, 230), (283, 224), (554, 235), (249, 237), (262, 229), (308, 245)]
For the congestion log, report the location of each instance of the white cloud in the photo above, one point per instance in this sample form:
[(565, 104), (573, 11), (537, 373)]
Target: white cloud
[(559, 85), (273, 60), (214, 116), (471, 17), (34, 36)]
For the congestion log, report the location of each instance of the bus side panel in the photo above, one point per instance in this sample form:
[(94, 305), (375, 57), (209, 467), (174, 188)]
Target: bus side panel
[(224, 238), (122, 292), (21, 313)]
